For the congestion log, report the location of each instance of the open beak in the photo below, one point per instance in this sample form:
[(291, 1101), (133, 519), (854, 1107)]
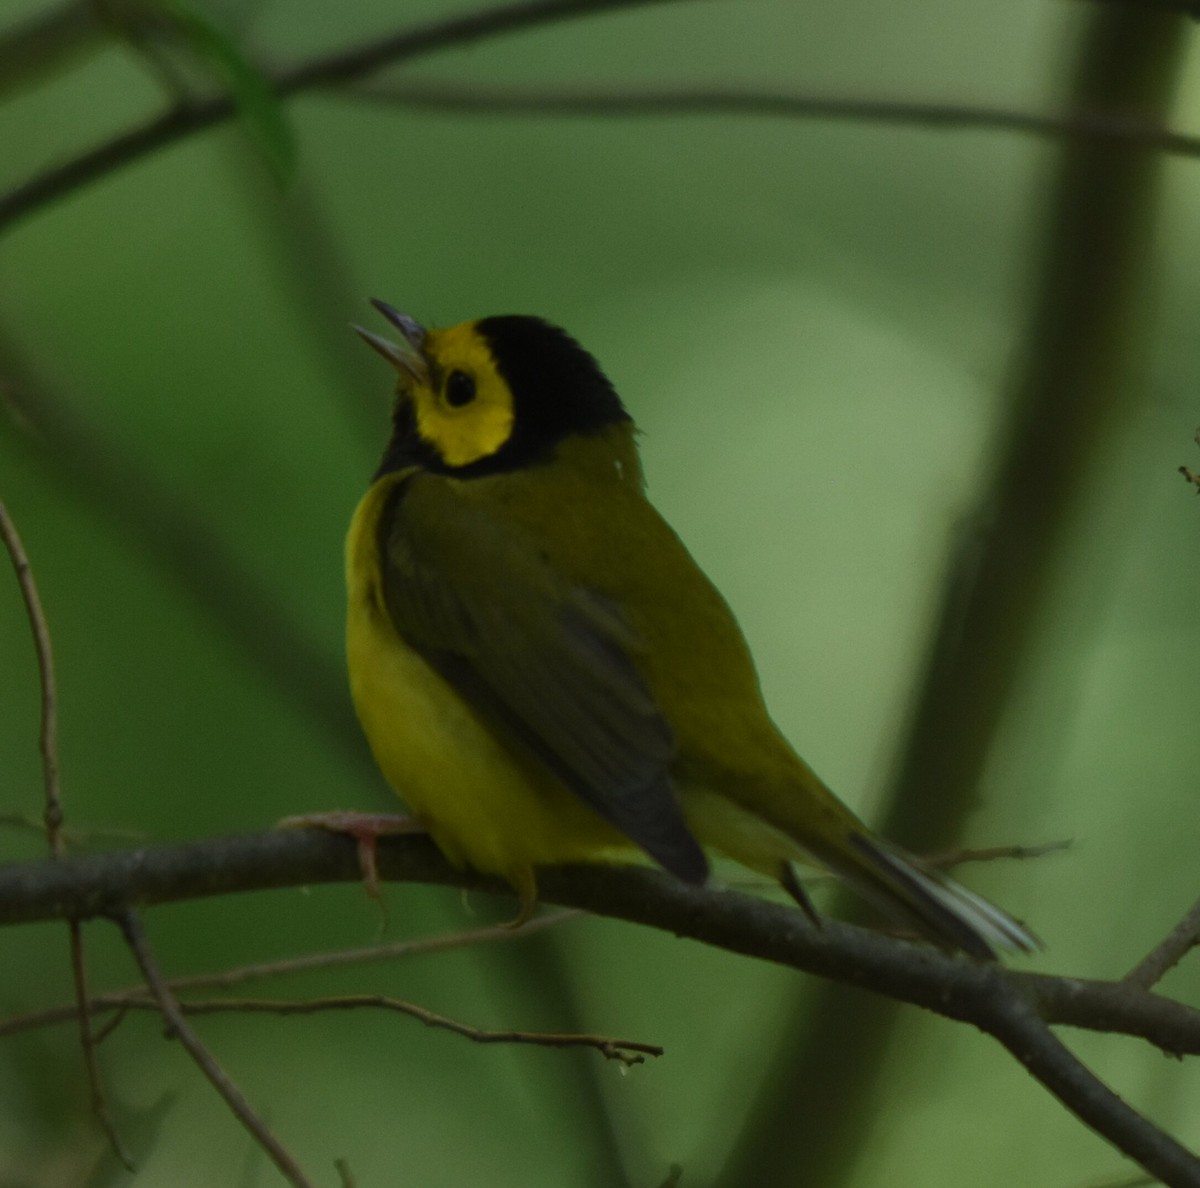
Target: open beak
[(409, 360)]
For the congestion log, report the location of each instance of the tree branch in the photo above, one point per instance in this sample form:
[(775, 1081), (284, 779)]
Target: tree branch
[(1014, 1007), (117, 1000), (342, 66), (1184, 937), (48, 738), (467, 98), (347, 68), (628, 1052), (135, 937)]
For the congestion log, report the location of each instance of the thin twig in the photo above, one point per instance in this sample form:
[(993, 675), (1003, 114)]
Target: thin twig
[(52, 817), (89, 1042), (628, 1052), (135, 937), (1184, 937), (958, 857), (70, 836), (707, 100), (339, 67), (48, 740), (118, 1000)]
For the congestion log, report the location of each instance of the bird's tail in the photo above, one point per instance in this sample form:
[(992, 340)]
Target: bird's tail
[(915, 894)]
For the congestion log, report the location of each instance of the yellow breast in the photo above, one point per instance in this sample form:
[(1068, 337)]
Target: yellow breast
[(483, 805)]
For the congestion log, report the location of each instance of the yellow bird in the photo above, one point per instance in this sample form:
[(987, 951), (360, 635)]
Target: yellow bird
[(543, 672)]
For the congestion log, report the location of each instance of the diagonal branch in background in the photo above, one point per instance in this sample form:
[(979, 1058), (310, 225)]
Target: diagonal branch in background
[(325, 70), (1184, 937), (1067, 397), (347, 69), (48, 738), (466, 98), (48, 41), (1016, 1008)]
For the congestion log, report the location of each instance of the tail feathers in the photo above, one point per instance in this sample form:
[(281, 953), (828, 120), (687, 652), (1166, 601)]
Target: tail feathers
[(939, 907)]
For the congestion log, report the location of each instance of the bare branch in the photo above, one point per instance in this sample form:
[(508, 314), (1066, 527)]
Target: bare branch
[(48, 740), (118, 1000), (346, 68), (325, 70), (628, 1052), (80, 1009), (707, 100), (1018, 1028), (1184, 937), (173, 1016), (957, 857), (999, 1002)]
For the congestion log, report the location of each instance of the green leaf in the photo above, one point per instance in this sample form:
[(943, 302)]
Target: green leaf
[(257, 103)]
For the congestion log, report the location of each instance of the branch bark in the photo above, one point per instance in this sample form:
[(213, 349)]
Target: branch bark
[(1016, 1008)]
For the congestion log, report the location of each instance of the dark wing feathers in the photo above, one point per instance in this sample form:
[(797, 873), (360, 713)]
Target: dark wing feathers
[(545, 662)]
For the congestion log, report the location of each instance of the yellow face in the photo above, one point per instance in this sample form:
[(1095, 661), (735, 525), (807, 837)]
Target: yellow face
[(464, 409), (491, 396)]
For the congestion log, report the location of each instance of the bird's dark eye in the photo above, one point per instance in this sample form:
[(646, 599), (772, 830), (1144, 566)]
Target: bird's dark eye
[(460, 389)]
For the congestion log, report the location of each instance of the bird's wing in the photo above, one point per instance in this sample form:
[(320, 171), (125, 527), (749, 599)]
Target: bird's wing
[(546, 662)]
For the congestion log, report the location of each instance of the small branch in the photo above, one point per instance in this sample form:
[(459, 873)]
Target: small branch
[(357, 62), (958, 857), (1029, 1040), (81, 1010), (342, 66), (48, 742), (1179, 942), (628, 1052), (119, 1000), (704, 100), (1191, 476), (135, 937)]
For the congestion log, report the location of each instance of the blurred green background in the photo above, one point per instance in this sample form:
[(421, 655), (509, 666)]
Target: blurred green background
[(819, 326)]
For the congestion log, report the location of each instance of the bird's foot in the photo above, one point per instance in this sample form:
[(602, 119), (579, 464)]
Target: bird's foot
[(366, 829)]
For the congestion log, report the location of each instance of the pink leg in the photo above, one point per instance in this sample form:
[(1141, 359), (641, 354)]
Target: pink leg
[(365, 828)]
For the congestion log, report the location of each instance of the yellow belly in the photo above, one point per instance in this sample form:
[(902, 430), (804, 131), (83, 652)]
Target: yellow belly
[(483, 805)]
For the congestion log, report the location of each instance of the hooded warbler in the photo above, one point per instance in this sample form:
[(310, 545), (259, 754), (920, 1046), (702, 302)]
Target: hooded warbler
[(542, 671)]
